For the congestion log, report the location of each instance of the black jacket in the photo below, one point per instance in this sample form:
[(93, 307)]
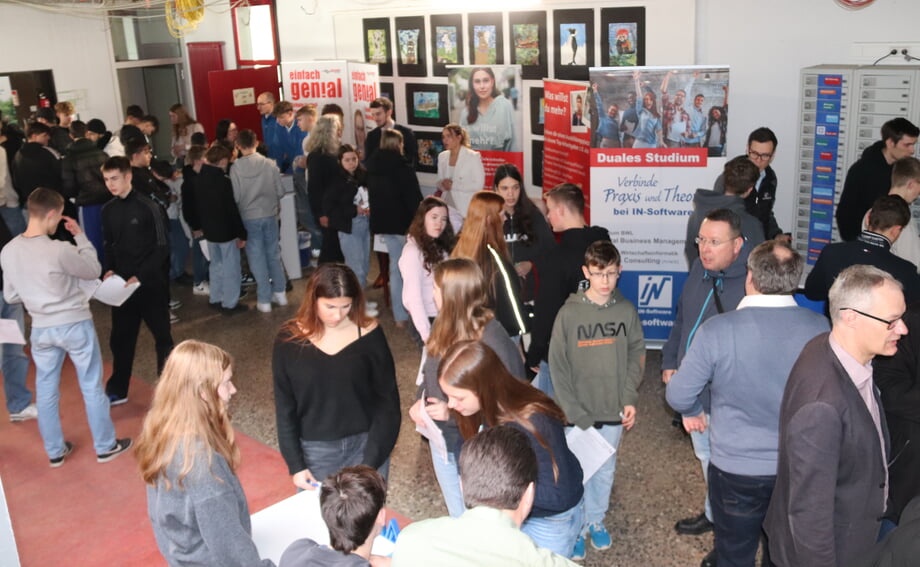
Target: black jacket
[(559, 275), (339, 200), (217, 211), (867, 180), (898, 379), (410, 144), (36, 166), (136, 239), (869, 248), (323, 172), (81, 173), (60, 140), (393, 192), (189, 206), (760, 202), (143, 180)]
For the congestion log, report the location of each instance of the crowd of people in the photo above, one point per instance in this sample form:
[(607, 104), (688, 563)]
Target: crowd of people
[(794, 440)]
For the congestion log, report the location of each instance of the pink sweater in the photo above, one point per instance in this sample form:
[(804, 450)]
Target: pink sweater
[(418, 288)]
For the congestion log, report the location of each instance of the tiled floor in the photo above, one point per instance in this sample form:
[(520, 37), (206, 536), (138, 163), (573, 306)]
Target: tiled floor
[(658, 480)]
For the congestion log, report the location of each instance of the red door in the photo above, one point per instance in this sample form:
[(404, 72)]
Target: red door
[(234, 93), (204, 57)]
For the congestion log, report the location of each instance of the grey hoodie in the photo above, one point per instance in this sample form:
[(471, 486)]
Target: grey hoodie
[(706, 201), (257, 187)]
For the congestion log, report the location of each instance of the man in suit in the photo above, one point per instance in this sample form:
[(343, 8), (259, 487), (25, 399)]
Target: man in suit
[(832, 480), (382, 111)]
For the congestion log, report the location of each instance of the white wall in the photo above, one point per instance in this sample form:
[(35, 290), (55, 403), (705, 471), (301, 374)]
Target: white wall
[(767, 43), (75, 49)]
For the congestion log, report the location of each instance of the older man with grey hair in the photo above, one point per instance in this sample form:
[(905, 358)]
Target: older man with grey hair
[(832, 480), (745, 356)]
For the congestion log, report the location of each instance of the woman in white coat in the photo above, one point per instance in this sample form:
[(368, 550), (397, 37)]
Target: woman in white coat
[(460, 171)]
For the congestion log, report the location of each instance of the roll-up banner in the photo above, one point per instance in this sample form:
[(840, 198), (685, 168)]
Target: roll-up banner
[(660, 136)]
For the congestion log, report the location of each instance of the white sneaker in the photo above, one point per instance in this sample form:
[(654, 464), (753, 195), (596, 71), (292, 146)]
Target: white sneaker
[(371, 305), (173, 318), (204, 288), (371, 312), (280, 298), (28, 412), (264, 307)]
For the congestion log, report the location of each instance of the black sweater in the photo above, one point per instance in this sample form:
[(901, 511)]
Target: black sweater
[(339, 199), (323, 397), (323, 172), (559, 274), (216, 211), (136, 239), (393, 192), (82, 174), (867, 180)]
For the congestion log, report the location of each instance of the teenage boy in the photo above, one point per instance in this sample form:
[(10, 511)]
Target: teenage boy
[(45, 275), (596, 359), (222, 227), (194, 160), (288, 139), (306, 120), (136, 237), (351, 502), (257, 191)]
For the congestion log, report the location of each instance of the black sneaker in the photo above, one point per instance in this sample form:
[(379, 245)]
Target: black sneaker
[(248, 280), (68, 449), (230, 311), (121, 445), (697, 525), (116, 400)]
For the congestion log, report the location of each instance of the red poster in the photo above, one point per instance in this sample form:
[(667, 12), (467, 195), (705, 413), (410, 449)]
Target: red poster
[(566, 149)]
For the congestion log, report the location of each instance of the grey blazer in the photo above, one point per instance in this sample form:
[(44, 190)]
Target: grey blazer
[(828, 501)]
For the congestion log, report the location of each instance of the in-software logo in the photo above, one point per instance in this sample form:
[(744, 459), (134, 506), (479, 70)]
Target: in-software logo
[(656, 291)]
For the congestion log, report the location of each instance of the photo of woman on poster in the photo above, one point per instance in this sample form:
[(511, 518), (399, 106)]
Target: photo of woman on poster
[(648, 131), (488, 115)]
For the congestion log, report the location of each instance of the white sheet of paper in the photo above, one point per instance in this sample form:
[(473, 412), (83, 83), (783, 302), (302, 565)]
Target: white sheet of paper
[(89, 287), (10, 333), (113, 290), (297, 517), (590, 448), (204, 249), (433, 433)]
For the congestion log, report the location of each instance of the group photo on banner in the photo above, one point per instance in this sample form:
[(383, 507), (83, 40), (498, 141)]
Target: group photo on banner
[(657, 135)]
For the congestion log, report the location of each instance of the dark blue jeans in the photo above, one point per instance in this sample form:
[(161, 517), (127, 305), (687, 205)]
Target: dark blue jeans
[(739, 506)]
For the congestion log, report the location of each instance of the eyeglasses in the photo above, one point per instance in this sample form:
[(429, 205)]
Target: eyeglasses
[(606, 276), (757, 155), (715, 243), (891, 324)]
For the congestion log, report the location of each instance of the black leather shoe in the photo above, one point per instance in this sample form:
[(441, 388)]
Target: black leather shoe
[(696, 525), (709, 560)]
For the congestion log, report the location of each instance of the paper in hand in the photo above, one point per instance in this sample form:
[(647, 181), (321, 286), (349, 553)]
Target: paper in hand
[(590, 448), (113, 291), (433, 433), (10, 333)]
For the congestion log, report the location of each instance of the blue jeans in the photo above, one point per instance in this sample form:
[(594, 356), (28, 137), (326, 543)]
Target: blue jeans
[(200, 264), (356, 247), (91, 222), (15, 219), (395, 243), (449, 480), (324, 458), (178, 249), (739, 506), (263, 250), (598, 487), (543, 381), (225, 273), (701, 451), (49, 346), (305, 212), (14, 363), (556, 533)]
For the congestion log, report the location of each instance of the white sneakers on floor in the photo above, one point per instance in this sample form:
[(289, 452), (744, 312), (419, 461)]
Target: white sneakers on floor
[(280, 298), (203, 288)]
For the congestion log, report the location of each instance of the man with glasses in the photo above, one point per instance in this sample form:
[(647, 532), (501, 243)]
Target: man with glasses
[(887, 218), (747, 383), (832, 480), (761, 148), (739, 177), (714, 285)]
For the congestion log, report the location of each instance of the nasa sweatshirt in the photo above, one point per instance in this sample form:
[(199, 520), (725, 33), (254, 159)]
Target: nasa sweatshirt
[(596, 359)]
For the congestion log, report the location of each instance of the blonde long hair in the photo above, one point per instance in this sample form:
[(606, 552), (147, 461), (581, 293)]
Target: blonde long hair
[(481, 229), (463, 314), (188, 412), (325, 136)]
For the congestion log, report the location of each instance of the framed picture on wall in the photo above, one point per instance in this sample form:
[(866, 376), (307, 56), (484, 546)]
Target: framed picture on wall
[(426, 104), (527, 31), (574, 52), (387, 90), (537, 107), (622, 37), (446, 42), (377, 44), (536, 162), (486, 42), (410, 47), (429, 146)]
